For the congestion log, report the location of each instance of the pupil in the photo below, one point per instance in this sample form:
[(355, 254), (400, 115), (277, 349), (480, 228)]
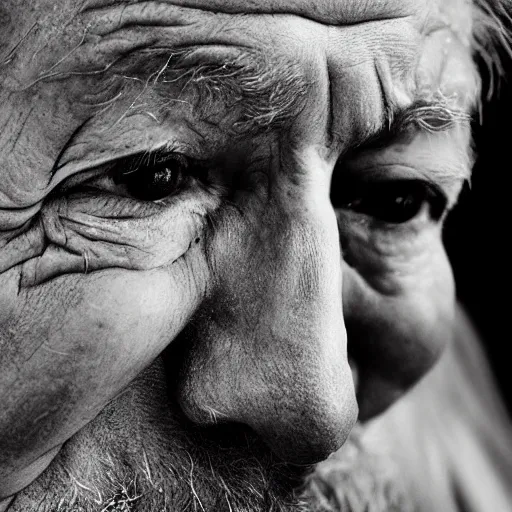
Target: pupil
[(399, 207), (406, 202), (393, 201)]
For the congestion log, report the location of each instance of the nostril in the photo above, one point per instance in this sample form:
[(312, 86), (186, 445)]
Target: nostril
[(308, 439), (301, 425)]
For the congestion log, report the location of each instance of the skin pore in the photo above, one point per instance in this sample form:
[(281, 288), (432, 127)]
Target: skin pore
[(206, 211)]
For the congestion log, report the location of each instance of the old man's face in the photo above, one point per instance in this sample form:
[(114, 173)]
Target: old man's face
[(255, 190)]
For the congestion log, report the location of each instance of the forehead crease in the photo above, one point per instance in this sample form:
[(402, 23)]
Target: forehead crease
[(374, 65), (86, 41), (104, 29), (330, 12)]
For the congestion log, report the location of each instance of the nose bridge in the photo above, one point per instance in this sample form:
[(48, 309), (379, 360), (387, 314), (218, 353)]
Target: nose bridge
[(284, 266), (287, 253), (299, 229), (304, 277)]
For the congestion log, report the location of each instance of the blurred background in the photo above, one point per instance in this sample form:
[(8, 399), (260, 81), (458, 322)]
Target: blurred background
[(477, 236)]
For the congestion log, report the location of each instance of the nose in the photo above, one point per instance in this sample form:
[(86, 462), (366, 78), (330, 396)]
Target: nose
[(268, 348)]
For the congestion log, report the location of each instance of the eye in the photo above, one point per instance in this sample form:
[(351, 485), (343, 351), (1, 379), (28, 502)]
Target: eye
[(392, 201), (152, 177)]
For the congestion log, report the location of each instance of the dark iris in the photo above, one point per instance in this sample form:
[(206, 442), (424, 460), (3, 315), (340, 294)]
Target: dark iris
[(393, 201), (150, 178)]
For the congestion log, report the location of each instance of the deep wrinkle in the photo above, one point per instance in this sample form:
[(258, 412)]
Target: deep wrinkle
[(346, 15)]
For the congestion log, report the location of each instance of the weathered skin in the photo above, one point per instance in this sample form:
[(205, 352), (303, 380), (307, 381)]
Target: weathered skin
[(94, 285)]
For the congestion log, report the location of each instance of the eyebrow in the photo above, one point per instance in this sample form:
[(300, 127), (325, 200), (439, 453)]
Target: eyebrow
[(267, 91), (430, 116)]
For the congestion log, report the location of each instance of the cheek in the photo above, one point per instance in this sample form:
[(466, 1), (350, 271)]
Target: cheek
[(71, 344), (99, 331), (417, 305), (122, 312), (396, 338)]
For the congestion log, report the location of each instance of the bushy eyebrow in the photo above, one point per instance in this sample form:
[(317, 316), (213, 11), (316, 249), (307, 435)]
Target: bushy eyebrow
[(264, 91), (435, 115)]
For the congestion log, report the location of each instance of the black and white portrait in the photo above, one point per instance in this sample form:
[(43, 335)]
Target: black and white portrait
[(235, 275)]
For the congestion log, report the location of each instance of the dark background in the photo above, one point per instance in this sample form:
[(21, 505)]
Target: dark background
[(477, 236)]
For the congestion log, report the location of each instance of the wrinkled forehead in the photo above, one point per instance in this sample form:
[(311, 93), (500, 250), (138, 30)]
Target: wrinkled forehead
[(42, 28), (425, 14), (325, 11), (369, 49), (327, 75)]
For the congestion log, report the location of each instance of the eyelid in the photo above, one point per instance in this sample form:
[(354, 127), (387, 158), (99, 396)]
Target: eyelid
[(147, 159), (447, 187), (161, 154), (80, 176), (413, 180), (387, 172), (443, 159)]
